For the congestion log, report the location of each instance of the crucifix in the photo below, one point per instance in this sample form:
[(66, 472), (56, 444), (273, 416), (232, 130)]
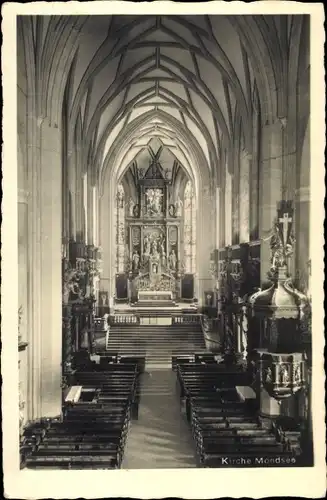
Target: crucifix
[(285, 221)]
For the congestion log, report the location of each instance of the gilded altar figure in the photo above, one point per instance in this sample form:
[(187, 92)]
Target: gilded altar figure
[(154, 201), (131, 206), (178, 207), (136, 260), (154, 252), (146, 245), (172, 260), (163, 259)]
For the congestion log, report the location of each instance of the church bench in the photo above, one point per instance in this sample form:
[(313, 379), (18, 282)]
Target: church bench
[(212, 444), (80, 462), (80, 438), (72, 451), (86, 428), (108, 411), (114, 402), (93, 443)]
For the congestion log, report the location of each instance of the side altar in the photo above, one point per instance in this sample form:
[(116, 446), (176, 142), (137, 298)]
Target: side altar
[(153, 240)]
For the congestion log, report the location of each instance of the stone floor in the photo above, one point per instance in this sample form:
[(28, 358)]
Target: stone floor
[(161, 437)]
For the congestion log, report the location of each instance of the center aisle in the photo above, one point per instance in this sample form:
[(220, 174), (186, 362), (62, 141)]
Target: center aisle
[(161, 438)]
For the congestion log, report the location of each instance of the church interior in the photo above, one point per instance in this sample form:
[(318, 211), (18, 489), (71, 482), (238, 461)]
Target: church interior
[(163, 241)]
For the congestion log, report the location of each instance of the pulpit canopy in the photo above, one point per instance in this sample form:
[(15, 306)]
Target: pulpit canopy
[(279, 301)]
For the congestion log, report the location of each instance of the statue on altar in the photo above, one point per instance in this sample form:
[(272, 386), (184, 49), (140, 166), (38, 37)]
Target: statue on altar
[(178, 207), (131, 206), (120, 198), (163, 259), (172, 260), (136, 260), (155, 252), (146, 245), (154, 202)]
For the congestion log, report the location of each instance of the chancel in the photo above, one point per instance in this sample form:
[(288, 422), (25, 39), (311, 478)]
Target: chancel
[(163, 208)]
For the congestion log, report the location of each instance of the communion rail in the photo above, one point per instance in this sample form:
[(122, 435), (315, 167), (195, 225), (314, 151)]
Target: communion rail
[(135, 319)]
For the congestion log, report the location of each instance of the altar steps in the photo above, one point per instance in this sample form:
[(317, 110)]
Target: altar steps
[(154, 304), (156, 343)]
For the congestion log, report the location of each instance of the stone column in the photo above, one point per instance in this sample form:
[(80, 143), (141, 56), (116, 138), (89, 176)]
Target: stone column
[(45, 323), (218, 202), (107, 239), (270, 188), (302, 230), (244, 195), (90, 214), (79, 197), (228, 208), (236, 203), (205, 240), (254, 171), (71, 182)]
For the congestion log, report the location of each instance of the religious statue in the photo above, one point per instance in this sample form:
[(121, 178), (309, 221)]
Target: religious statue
[(120, 198), (146, 245), (136, 260), (284, 376), (131, 206), (161, 244), (154, 268), (163, 259), (136, 210), (103, 299), (172, 260), (269, 378), (155, 249), (154, 201), (297, 374), (178, 207), (172, 210)]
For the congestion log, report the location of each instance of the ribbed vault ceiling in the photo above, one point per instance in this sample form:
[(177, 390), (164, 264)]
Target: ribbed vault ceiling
[(190, 77)]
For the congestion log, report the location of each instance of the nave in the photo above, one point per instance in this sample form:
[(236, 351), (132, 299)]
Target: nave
[(200, 411), (164, 252)]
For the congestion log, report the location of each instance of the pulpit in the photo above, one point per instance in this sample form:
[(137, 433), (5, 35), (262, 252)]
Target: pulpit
[(281, 362)]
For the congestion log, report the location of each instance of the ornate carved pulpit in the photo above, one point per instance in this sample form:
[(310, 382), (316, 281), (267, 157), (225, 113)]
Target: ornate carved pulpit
[(281, 360)]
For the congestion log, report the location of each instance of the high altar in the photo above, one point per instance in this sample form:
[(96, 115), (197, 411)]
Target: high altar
[(153, 234)]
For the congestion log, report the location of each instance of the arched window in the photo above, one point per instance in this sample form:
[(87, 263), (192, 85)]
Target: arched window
[(189, 229), (120, 229)]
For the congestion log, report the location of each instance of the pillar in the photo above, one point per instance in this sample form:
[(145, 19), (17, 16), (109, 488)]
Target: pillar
[(244, 195), (302, 220), (45, 290), (205, 237), (271, 188), (218, 202), (228, 207)]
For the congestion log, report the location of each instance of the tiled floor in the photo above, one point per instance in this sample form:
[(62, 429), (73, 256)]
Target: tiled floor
[(161, 437)]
